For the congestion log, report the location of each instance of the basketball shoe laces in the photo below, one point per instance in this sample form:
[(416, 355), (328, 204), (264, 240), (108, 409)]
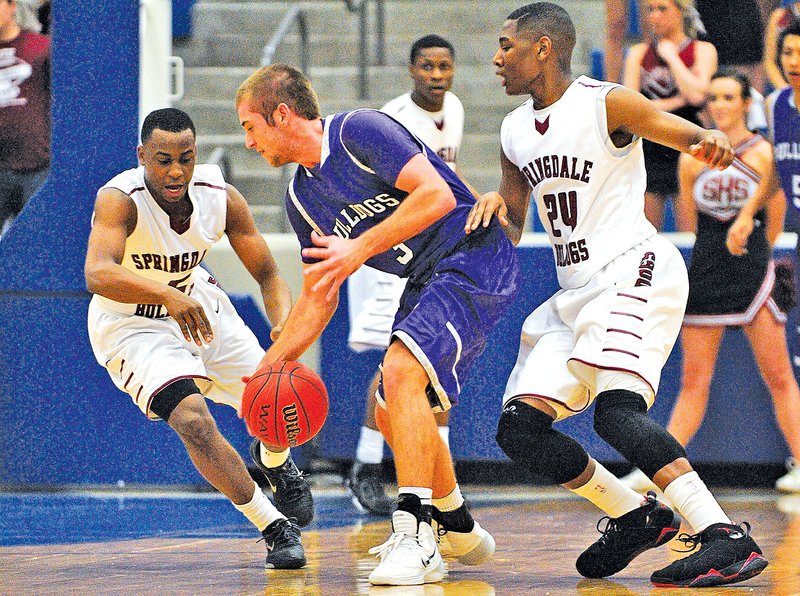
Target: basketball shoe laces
[(396, 542), (284, 533), (693, 540)]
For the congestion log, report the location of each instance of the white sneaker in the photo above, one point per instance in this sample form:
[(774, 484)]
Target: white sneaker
[(637, 480), (410, 557), (790, 482), (469, 548)]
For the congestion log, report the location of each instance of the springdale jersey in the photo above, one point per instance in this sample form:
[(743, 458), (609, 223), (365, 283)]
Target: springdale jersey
[(352, 190), (442, 131), (589, 193), (154, 250)]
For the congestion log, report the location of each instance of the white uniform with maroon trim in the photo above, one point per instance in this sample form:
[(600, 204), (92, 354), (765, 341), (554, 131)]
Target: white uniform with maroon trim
[(374, 296), (140, 345), (624, 288)]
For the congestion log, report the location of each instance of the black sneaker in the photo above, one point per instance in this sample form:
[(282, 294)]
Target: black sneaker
[(290, 490), (727, 555), (284, 549), (626, 537), (364, 481)]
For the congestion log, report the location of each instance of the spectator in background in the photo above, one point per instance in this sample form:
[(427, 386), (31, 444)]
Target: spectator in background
[(735, 29), (436, 117), (784, 121), (617, 18), (674, 71), (24, 113), (779, 20), (725, 290)]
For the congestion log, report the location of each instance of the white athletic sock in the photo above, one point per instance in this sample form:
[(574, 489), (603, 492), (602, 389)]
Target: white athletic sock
[(450, 502), (260, 511), (425, 494), (370, 446), (444, 432), (690, 496), (609, 494), (273, 459)]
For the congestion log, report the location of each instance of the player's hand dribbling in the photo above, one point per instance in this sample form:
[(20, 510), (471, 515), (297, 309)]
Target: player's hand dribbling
[(714, 149), (482, 211), (339, 258), (190, 316), (738, 233)]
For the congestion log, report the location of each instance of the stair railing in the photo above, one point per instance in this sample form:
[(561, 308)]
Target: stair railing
[(360, 7)]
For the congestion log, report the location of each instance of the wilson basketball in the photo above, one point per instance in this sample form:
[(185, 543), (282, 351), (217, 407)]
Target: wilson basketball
[(285, 404)]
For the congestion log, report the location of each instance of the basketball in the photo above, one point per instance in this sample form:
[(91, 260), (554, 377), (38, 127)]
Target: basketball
[(284, 404)]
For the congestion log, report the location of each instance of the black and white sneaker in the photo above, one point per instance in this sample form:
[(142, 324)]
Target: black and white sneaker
[(290, 490), (626, 537), (727, 555), (284, 549), (366, 485)]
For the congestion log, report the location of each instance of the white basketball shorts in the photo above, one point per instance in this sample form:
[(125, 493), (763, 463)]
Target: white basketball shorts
[(616, 332), (374, 297), (143, 355)]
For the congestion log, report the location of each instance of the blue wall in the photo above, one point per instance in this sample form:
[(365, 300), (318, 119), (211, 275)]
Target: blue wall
[(739, 426)]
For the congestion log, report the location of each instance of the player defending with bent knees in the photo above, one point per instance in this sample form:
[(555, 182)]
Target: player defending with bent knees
[(167, 333), (367, 191), (605, 336)]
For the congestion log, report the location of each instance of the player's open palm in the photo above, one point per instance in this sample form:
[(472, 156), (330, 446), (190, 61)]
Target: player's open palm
[(190, 316), (482, 211), (339, 258), (714, 149)]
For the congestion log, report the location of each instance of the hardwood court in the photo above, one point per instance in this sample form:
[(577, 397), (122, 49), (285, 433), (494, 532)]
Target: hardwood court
[(121, 545)]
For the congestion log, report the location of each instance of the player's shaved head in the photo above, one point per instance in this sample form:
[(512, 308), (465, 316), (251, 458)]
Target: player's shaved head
[(547, 19)]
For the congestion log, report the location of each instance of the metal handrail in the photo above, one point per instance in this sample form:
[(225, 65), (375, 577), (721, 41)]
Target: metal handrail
[(295, 13), (360, 7), (220, 157)]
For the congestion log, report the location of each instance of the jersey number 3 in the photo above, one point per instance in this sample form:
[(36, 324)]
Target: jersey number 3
[(563, 206), (406, 254)]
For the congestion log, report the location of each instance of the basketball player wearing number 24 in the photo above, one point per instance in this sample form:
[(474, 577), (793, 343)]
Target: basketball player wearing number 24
[(367, 191), (153, 320), (605, 336)]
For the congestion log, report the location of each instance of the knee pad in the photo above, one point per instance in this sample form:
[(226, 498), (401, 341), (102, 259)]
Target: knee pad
[(620, 419), (527, 436), (166, 400)]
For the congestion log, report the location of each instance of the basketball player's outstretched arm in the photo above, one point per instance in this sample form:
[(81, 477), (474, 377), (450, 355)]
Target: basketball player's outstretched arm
[(629, 112), (114, 221), (256, 256), (306, 321), (510, 203)]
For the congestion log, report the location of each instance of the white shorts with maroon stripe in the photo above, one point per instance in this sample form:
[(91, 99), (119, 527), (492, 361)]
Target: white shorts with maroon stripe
[(616, 332), (143, 355)]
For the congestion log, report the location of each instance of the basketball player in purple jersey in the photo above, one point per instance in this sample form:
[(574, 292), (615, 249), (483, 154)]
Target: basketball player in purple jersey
[(366, 191), (784, 126), (605, 336)]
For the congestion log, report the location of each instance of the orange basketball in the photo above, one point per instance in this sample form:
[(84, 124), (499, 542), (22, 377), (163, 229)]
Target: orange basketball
[(284, 404)]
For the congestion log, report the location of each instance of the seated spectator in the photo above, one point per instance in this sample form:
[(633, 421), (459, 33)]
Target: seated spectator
[(779, 20), (673, 70), (728, 291), (24, 113)]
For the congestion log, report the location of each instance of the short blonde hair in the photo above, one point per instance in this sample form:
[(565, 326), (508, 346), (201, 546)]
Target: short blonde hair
[(692, 24), (272, 85)]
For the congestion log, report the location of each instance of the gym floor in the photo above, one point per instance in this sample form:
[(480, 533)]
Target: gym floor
[(134, 542)]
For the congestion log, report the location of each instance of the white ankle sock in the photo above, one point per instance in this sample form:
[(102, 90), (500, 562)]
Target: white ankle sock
[(690, 496), (450, 502), (260, 511), (425, 494), (444, 432), (609, 494), (273, 459), (370, 446)]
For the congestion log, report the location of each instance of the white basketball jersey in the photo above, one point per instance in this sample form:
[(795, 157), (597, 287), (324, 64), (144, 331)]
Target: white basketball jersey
[(442, 131), (154, 250), (589, 193)]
